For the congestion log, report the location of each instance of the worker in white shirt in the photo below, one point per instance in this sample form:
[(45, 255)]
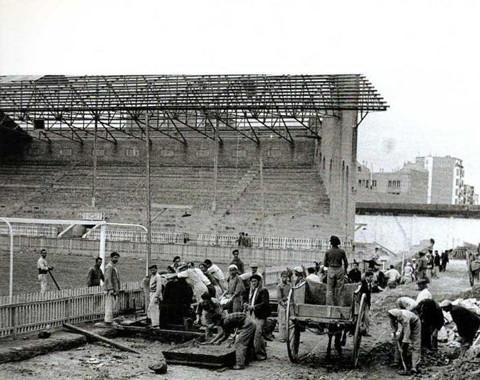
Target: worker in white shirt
[(195, 278), (43, 270), (216, 273), (312, 277), (424, 292), (156, 289)]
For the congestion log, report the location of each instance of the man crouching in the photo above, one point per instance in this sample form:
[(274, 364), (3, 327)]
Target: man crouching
[(226, 325)]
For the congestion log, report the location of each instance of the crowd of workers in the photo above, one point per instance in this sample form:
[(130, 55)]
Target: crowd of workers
[(238, 304)]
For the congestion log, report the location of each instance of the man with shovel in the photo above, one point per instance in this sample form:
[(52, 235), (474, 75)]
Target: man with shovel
[(407, 333)]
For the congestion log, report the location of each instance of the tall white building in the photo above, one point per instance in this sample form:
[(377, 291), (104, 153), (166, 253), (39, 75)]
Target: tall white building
[(445, 179)]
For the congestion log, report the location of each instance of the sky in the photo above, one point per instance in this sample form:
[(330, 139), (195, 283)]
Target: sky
[(423, 56)]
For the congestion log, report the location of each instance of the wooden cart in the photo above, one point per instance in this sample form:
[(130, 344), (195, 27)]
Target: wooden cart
[(473, 267), (306, 308)]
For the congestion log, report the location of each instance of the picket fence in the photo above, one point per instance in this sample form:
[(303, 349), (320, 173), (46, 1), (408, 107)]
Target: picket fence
[(29, 313)]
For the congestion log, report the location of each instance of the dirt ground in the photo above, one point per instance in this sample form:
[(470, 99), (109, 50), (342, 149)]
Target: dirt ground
[(101, 362)]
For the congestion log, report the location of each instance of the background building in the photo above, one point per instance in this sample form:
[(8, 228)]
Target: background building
[(445, 179), (407, 185)]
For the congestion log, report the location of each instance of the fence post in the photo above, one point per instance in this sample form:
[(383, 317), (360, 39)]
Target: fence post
[(67, 310), (14, 321)]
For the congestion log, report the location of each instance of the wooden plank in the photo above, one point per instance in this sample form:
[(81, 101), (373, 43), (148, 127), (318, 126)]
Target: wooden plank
[(323, 311), (100, 338)]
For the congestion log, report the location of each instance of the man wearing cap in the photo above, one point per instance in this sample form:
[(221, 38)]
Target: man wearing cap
[(334, 258), (258, 308), (95, 274), (176, 262), (156, 289), (43, 270), (424, 292), (112, 286), (466, 320), (406, 303), (236, 261), (235, 290), (407, 333)]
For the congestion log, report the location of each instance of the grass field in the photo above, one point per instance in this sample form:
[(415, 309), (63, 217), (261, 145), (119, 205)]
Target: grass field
[(70, 271)]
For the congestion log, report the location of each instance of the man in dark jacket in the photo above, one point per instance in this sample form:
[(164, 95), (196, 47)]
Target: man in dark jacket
[(258, 308), (467, 321), (355, 275), (95, 274), (444, 261), (431, 316), (236, 261)]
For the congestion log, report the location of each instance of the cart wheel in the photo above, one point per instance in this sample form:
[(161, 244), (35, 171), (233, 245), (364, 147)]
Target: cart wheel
[(357, 337), (293, 331)]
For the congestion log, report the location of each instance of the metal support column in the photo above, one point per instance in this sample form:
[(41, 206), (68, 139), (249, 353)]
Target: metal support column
[(94, 182), (148, 195), (215, 169), (103, 242), (263, 209)]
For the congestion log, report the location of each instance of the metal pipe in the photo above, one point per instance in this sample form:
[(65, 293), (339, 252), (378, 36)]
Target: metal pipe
[(10, 232)]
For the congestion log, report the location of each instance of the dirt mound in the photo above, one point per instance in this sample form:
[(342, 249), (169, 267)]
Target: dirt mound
[(465, 367)]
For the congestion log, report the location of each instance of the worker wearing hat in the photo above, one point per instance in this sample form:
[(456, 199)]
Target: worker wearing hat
[(424, 293), (407, 332), (233, 297), (258, 308), (112, 286), (156, 285)]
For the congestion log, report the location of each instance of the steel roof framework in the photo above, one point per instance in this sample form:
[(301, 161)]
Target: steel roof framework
[(210, 105)]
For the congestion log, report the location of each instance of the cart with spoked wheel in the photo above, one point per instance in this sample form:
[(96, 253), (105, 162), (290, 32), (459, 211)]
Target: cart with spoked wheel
[(307, 309)]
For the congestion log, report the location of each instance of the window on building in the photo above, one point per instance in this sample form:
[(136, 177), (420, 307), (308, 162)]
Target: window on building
[(359, 169), (374, 183)]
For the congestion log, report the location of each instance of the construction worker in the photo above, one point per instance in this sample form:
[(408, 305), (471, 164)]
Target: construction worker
[(156, 295), (423, 293), (466, 320), (112, 287), (337, 263), (407, 332), (95, 274), (226, 325), (258, 309), (431, 316), (43, 270), (283, 289)]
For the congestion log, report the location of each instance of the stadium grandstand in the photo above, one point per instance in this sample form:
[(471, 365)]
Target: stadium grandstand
[(267, 155)]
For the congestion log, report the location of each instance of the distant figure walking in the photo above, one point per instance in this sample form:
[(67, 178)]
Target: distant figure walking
[(112, 286), (95, 274), (334, 258), (445, 261), (43, 270)]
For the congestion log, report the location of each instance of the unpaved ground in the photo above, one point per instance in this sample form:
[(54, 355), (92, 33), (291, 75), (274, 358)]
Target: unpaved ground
[(100, 362)]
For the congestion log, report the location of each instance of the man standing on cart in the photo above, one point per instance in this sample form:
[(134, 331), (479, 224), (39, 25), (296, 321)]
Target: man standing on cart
[(337, 263)]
